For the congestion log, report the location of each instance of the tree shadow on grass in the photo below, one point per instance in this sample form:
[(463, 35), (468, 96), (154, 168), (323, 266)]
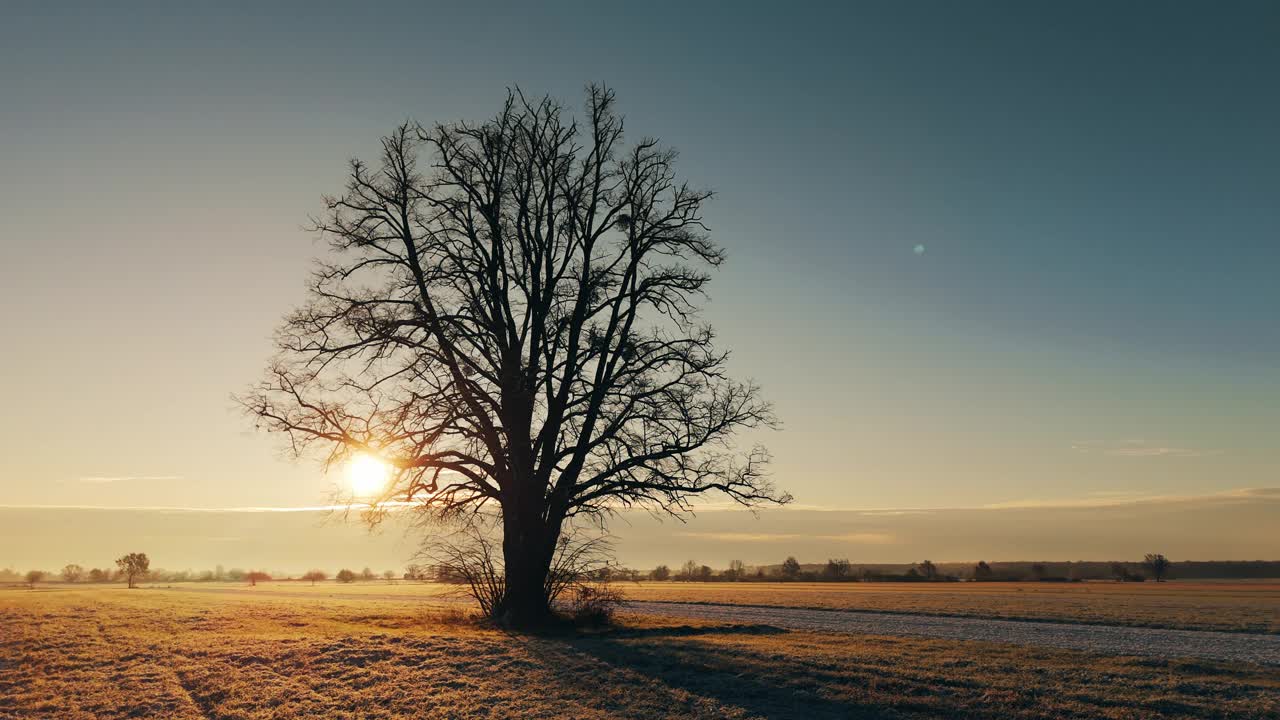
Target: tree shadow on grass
[(777, 690)]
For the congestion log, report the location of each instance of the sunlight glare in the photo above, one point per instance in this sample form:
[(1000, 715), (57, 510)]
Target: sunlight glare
[(367, 475)]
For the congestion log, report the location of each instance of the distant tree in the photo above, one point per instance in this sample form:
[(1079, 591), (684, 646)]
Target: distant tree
[(982, 571), (662, 572), (256, 576), (235, 575), (415, 572), (759, 573), (33, 577), (913, 574), (928, 570), (688, 571), (737, 570), (72, 573), (133, 566), (389, 575), (790, 568), (705, 572), (836, 569), (315, 576), (367, 574), (1119, 572), (1158, 565), (346, 576), (1038, 571)]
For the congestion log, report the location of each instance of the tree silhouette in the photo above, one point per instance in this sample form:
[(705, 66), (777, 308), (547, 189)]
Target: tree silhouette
[(72, 573), (315, 576), (346, 576), (737, 570), (256, 576), (509, 318), (790, 568), (33, 577), (662, 572), (1158, 565), (133, 566), (928, 570), (982, 571)]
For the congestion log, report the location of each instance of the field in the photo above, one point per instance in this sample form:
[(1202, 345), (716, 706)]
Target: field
[(1229, 606), (381, 651)]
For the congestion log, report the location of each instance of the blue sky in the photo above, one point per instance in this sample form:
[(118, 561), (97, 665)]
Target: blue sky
[(1095, 188)]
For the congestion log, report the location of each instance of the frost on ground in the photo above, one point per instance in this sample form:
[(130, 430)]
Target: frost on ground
[(1116, 640)]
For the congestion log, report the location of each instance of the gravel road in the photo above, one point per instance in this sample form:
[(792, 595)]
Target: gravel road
[(1111, 639)]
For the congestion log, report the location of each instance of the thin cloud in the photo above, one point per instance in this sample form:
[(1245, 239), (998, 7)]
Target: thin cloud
[(104, 479), (1140, 449), (865, 538)]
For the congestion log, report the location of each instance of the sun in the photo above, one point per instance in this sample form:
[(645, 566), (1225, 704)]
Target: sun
[(367, 474)]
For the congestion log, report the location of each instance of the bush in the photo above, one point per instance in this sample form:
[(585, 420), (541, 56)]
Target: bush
[(593, 605)]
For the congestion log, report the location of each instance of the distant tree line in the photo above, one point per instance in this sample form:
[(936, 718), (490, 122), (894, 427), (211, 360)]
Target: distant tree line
[(134, 567)]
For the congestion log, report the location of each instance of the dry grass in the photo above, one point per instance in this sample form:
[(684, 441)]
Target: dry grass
[(1237, 607), (107, 653)]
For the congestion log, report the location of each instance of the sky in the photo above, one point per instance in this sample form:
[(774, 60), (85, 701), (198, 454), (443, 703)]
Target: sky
[(982, 255)]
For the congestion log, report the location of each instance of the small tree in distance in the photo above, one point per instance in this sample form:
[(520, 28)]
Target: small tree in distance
[(389, 575), (928, 570), (346, 576), (367, 574), (133, 566), (982, 571), (256, 576), (662, 572), (315, 576), (737, 570), (790, 568), (72, 573), (33, 577), (1158, 565)]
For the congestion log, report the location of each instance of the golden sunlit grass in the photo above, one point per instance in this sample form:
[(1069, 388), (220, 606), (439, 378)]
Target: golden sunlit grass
[(1233, 606), (111, 652)]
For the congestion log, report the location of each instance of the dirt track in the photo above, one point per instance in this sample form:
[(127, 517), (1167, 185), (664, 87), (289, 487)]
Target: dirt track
[(1111, 639)]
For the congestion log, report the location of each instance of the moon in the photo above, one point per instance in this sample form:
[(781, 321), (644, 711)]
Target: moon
[(367, 475)]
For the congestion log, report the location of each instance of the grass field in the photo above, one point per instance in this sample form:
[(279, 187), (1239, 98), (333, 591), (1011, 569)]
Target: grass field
[(1231, 606), (379, 651)]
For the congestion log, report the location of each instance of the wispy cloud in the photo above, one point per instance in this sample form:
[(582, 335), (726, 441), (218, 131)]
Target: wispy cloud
[(1140, 449), (104, 479), (864, 538)]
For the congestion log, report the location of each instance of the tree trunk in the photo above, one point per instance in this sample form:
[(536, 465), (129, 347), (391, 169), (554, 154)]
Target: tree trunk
[(527, 548)]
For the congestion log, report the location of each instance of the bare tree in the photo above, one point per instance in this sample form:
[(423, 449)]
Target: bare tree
[(33, 577), (509, 318), (836, 569), (256, 576), (389, 576), (1158, 565), (737, 570), (72, 573), (660, 573), (928, 570), (982, 571), (790, 568), (315, 576), (133, 566), (346, 576)]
